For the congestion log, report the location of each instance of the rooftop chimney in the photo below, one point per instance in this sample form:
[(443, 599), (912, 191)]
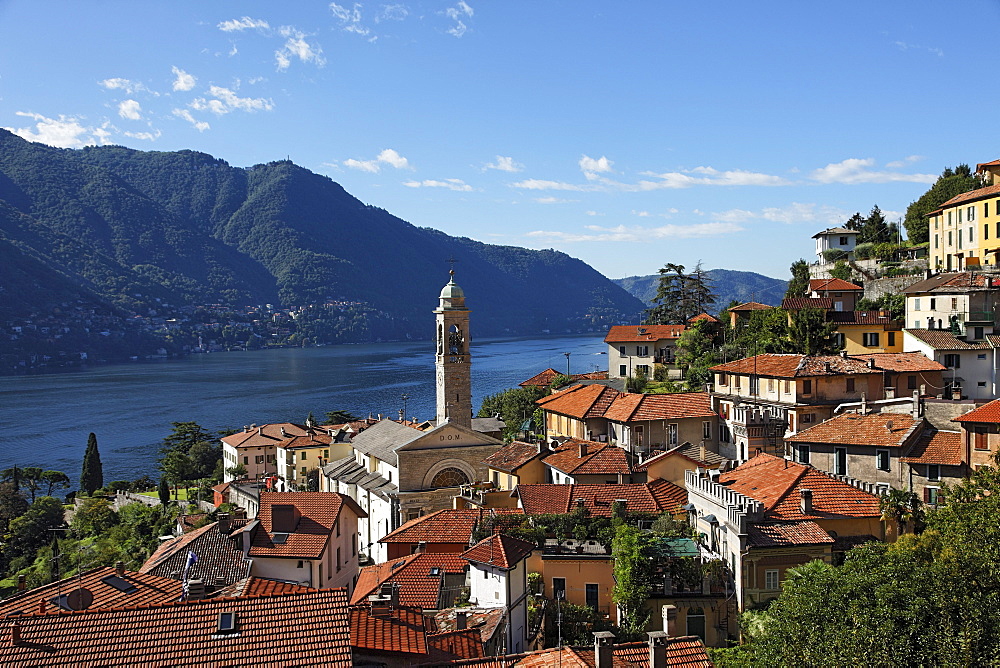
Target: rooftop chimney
[(15, 633), (284, 434), (604, 648), (120, 569), (826, 366), (806, 501), (461, 620), (22, 582), (224, 523), (284, 518), (196, 589), (871, 362), (669, 614), (702, 452), (583, 450), (260, 431), (420, 548), (657, 649)]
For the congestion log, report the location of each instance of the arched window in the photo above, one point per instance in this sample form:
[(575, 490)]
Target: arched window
[(449, 477), (455, 340)]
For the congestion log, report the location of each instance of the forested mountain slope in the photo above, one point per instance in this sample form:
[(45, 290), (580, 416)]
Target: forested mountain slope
[(743, 286)]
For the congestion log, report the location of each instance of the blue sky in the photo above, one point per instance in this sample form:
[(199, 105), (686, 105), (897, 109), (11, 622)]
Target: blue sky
[(628, 135)]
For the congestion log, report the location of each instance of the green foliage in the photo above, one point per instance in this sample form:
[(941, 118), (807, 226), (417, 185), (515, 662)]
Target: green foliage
[(834, 254), (54, 480), (163, 491), (811, 334), (30, 531), (636, 383), (799, 285), (842, 270), (760, 332), (633, 570), (894, 304), (696, 353), (93, 517), (514, 406), (579, 623), (680, 296), (950, 183), (12, 504), (904, 509), (559, 381), (339, 417), (190, 453), (92, 471)]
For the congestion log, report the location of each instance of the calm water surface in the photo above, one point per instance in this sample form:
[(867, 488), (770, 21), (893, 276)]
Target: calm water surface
[(44, 420)]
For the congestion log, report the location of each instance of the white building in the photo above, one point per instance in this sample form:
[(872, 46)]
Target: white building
[(839, 238), (498, 578)]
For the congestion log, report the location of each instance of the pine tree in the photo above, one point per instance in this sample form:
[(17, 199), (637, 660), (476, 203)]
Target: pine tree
[(163, 491), (92, 473)]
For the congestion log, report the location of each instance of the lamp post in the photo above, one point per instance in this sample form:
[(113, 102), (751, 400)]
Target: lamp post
[(404, 397), (567, 362)]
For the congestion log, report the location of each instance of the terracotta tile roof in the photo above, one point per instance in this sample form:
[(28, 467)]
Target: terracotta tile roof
[(786, 534), (315, 439), (954, 283), (402, 631), (220, 557), (309, 629), (544, 378), (682, 652), (688, 451), (867, 430), (675, 406), (903, 362), (642, 333), (486, 621), (133, 588), (419, 585), (943, 339), (832, 285), (793, 365), (799, 303), (937, 447), (751, 306), (864, 318), (263, 586), (500, 551), (653, 497), (988, 413), (512, 456), (580, 401), (443, 526), (600, 459), (703, 316), (777, 482), (263, 435), (315, 515), (972, 195), (453, 645)]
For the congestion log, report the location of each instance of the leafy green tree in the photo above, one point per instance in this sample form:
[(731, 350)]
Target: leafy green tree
[(811, 334), (340, 417), (680, 296), (31, 479), (189, 453), (799, 285), (29, 532), (92, 472), (842, 270), (894, 304), (696, 354), (178, 468), (12, 504), (93, 517), (950, 183), (876, 230), (54, 480), (560, 381), (633, 574), (903, 508), (514, 406)]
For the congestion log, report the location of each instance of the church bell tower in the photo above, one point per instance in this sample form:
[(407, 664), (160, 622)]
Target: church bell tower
[(453, 362)]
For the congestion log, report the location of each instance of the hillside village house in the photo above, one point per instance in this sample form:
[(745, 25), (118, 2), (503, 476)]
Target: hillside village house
[(763, 398), (498, 578), (634, 349), (743, 311), (963, 232), (969, 365), (770, 514), (256, 448), (980, 436), (963, 303), (298, 456), (843, 295), (835, 238)]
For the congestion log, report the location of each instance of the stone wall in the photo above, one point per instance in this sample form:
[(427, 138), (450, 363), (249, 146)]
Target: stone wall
[(888, 286), (940, 412)]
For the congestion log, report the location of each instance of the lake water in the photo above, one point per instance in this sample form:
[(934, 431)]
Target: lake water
[(44, 420)]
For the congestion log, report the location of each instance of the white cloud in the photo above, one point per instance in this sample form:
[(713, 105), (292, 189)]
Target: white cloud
[(897, 164), (505, 164), (200, 126), (597, 166), (245, 23), (554, 200), (62, 132), (450, 184), (796, 212), (709, 176), (641, 214), (905, 46), (350, 19), (392, 13), (183, 80), (149, 136), (593, 213), (130, 109), (456, 14), (296, 46), (226, 101), (859, 170), (126, 85), (539, 184), (387, 156), (622, 233)]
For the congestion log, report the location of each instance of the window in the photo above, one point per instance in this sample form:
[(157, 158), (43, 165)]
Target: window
[(336, 525), (559, 588), (696, 623), (259, 459), (981, 439), (736, 381), (754, 385), (807, 387), (935, 241), (302, 456), (986, 209), (869, 339), (802, 454), (934, 472), (788, 387), (808, 418), (959, 215), (706, 430), (932, 495), (840, 461), (591, 595), (622, 370), (891, 336), (933, 303), (970, 235), (338, 559), (953, 361), (916, 304), (303, 470), (950, 242), (642, 369), (354, 543), (981, 356), (770, 385), (911, 382), (850, 385), (771, 579), (972, 213), (621, 351), (449, 477), (246, 460), (486, 575), (672, 434), (986, 232), (642, 351), (954, 303), (843, 241), (722, 379), (882, 460), (977, 333)]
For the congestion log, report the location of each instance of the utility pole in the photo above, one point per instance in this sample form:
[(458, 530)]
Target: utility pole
[(567, 362)]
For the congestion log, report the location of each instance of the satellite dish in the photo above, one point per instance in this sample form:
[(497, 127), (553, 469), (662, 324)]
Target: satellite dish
[(79, 599)]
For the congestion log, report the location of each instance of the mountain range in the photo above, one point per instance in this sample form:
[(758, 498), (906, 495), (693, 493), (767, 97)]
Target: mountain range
[(729, 285)]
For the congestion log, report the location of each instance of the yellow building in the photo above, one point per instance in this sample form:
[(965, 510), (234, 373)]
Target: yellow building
[(862, 332), (965, 230), (299, 455)]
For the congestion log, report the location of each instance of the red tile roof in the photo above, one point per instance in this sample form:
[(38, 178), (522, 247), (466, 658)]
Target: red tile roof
[(988, 413), (688, 451), (682, 652), (786, 534), (842, 318), (642, 333), (315, 439), (654, 497), (979, 193), (937, 447), (453, 645), (831, 285), (954, 283), (500, 551), (402, 630), (703, 316), (264, 435), (317, 514), (419, 586), (675, 406), (600, 459), (799, 303), (133, 589), (943, 339), (881, 430), (580, 401), (544, 378), (777, 482), (452, 527), (512, 456), (487, 621), (751, 306), (793, 365), (309, 629)]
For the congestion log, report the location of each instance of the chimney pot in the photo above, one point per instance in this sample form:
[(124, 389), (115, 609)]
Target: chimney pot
[(461, 620), (22, 582), (604, 648), (224, 523), (669, 614), (657, 649), (583, 450), (806, 501), (120, 569), (15, 634)]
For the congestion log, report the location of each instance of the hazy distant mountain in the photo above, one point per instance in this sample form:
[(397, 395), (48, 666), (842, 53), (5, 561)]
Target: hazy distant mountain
[(743, 286), (139, 229)]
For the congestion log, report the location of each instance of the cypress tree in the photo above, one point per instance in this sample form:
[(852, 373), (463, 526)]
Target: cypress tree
[(92, 474), (163, 491)]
